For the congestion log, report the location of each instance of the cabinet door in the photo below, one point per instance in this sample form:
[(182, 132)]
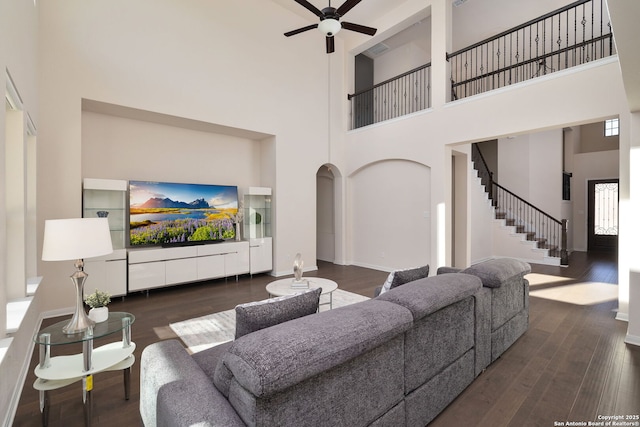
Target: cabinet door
[(97, 279), (210, 267), (243, 260), (181, 270), (260, 255), (107, 276), (147, 275)]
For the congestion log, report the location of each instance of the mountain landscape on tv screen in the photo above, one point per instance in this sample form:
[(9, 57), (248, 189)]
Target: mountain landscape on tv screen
[(169, 213), (156, 202)]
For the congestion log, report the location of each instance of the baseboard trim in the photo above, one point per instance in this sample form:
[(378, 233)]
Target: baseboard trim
[(624, 317), (372, 267), (632, 339)]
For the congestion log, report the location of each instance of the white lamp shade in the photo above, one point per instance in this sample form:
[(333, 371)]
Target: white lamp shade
[(76, 238), (329, 27)]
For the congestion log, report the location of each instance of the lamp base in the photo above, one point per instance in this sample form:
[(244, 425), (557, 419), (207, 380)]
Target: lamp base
[(79, 322)]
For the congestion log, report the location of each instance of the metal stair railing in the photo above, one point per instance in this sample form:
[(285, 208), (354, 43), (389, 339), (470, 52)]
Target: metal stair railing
[(548, 232)]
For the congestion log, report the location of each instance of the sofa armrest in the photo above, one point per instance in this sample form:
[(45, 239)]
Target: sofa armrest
[(191, 402), (175, 391)]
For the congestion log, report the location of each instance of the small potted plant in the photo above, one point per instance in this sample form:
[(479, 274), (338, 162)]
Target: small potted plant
[(98, 302)]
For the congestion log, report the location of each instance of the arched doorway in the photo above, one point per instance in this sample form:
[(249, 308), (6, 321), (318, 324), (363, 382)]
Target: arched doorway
[(325, 214)]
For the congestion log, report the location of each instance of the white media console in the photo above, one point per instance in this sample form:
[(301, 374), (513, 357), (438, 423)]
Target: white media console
[(157, 267), (131, 269)]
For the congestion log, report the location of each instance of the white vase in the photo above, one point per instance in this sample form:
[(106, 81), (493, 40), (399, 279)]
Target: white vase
[(99, 314)]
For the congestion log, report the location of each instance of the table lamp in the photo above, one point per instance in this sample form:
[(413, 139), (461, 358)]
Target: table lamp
[(76, 239)]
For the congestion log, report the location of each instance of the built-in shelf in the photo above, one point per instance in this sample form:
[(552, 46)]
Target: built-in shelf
[(16, 311), (32, 285), (4, 347)]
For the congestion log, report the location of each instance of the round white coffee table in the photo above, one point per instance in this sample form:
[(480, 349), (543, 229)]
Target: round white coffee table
[(282, 287)]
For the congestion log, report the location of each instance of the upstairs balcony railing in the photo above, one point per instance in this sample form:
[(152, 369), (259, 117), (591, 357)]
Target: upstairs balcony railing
[(401, 95), (573, 35)]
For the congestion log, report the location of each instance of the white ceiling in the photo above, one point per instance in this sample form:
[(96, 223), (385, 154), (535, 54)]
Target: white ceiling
[(366, 12)]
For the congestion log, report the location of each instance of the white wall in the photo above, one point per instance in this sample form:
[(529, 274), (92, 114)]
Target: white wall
[(545, 171), (398, 61), (18, 57), (121, 148), (481, 218), (588, 166), (477, 20), (531, 167), (390, 217), (513, 164), (176, 59), (423, 137)]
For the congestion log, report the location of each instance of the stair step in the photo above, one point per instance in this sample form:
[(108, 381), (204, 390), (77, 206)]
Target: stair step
[(501, 215), (510, 222), (519, 228), (548, 247), (531, 235)]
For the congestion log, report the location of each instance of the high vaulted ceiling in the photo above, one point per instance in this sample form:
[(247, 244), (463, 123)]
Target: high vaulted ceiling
[(366, 12), (624, 17)]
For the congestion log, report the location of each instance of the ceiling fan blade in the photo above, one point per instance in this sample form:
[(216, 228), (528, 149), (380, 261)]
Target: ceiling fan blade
[(358, 28), (300, 30), (347, 6), (310, 7), (330, 45)]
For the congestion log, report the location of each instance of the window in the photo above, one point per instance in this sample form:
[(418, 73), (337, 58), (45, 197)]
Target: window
[(611, 127)]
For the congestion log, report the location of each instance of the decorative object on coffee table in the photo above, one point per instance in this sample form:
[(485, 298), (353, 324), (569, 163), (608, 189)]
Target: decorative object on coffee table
[(298, 281), (282, 287), (98, 302)]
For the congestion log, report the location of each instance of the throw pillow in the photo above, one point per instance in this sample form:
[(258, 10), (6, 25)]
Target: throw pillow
[(387, 283), (258, 315), (405, 276)]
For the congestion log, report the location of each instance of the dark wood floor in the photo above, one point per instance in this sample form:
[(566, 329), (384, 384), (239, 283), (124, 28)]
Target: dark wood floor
[(571, 365)]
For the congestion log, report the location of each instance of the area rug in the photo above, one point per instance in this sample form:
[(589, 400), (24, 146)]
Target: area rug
[(207, 331)]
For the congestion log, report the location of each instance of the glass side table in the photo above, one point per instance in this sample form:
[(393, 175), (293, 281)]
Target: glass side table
[(56, 372)]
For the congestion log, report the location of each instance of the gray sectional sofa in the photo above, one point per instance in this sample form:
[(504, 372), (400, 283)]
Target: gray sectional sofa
[(395, 360)]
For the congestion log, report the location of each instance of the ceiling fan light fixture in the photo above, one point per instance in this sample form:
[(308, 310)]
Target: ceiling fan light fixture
[(329, 27)]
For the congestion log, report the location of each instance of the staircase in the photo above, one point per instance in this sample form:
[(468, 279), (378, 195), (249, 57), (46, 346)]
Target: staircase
[(532, 234)]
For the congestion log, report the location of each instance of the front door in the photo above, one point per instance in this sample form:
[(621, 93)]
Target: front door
[(602, 221)]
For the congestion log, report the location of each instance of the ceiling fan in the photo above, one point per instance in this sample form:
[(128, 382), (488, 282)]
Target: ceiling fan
[(330, 21)]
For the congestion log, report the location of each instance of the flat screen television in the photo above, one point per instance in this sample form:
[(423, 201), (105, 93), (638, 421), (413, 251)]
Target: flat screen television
[(175, 214)]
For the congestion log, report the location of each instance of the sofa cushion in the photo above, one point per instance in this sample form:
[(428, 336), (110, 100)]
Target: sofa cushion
[(273, 359), (496, 271), (258, 315)]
